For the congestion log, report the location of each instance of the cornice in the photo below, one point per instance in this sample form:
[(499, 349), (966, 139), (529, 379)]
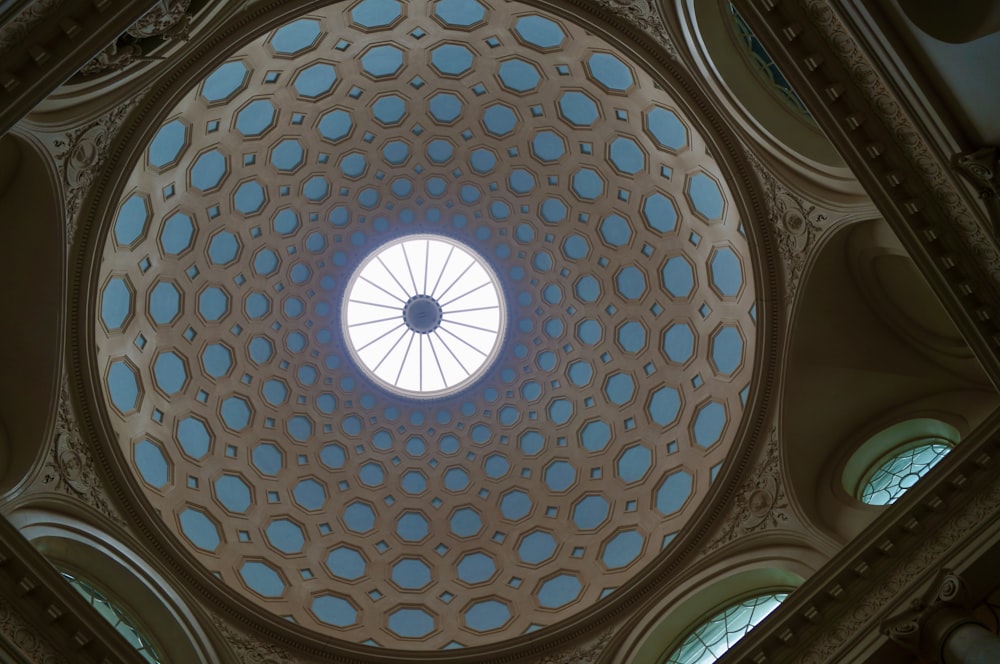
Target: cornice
[(915, 189), (44, 617), (272, 635), (49, 41), (876, 574)]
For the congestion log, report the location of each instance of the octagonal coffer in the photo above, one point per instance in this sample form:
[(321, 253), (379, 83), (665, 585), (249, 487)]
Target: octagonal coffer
[(527, 494)]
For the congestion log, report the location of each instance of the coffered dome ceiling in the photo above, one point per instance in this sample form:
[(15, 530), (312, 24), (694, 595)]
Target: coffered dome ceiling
[(439, 512)]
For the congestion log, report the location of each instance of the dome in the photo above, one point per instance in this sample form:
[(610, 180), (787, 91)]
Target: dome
[(425, 515)]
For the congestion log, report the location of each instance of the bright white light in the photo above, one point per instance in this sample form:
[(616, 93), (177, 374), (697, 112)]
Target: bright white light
[(424, 315)]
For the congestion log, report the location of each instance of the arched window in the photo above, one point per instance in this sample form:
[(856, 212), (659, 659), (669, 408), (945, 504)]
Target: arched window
[(715, 636), (763, 62), (895, 475), (117, 616), (121, 584), (890, 462)]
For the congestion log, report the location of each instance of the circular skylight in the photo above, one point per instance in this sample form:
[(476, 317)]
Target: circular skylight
[(622, 342), (424, 315)]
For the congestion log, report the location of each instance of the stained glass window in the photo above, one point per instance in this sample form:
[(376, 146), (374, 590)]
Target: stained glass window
[(896, 475), (116, 616), (720, 632)]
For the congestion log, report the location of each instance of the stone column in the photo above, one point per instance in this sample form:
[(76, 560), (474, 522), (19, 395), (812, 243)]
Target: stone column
[(970, 643), (941, 628)]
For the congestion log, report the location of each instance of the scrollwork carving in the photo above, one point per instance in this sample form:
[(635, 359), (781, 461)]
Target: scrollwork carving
[(882, 589), (23, 636), (947, 592), (797, 225), (643, 16), (113, 58), (71, 469), (586, 654), (760, 504), (80, 155), (16, 29), (168, 23), (982, 169), (249, 650)]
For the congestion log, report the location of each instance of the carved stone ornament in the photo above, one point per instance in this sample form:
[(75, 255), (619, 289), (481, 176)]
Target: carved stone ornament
[(981, 168), (168, 23), (71, 469), (113, 58), (947, 591), (936, 174), (862, 617), (760, 504), (249, 650), (15, 30), (797, 225), (80, 153), (24, 637), (586, 654), (644, 17)]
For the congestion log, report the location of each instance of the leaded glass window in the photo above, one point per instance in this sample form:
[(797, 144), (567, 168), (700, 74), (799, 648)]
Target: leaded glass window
[(900, 472), (720, 632), (765, 64), (116, 616)]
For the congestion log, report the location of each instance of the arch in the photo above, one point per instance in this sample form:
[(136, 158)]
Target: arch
[(869, 347), (888, 444), (80, 549), (735, 621), (33, 256), (786, 133), (116, 614), (762, 565)]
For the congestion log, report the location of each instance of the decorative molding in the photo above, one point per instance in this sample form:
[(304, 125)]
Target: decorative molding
[(892, 111), (169, 23), (24, 637), (250, 650), (644, 17), (843, 75), (45, 617), (760, 504), (71, 469), (15, 30), (885, 586), (586, 654), (955, 509), (947, 595), (797, 225), (981, 168), (115, 57), (82, 152)]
